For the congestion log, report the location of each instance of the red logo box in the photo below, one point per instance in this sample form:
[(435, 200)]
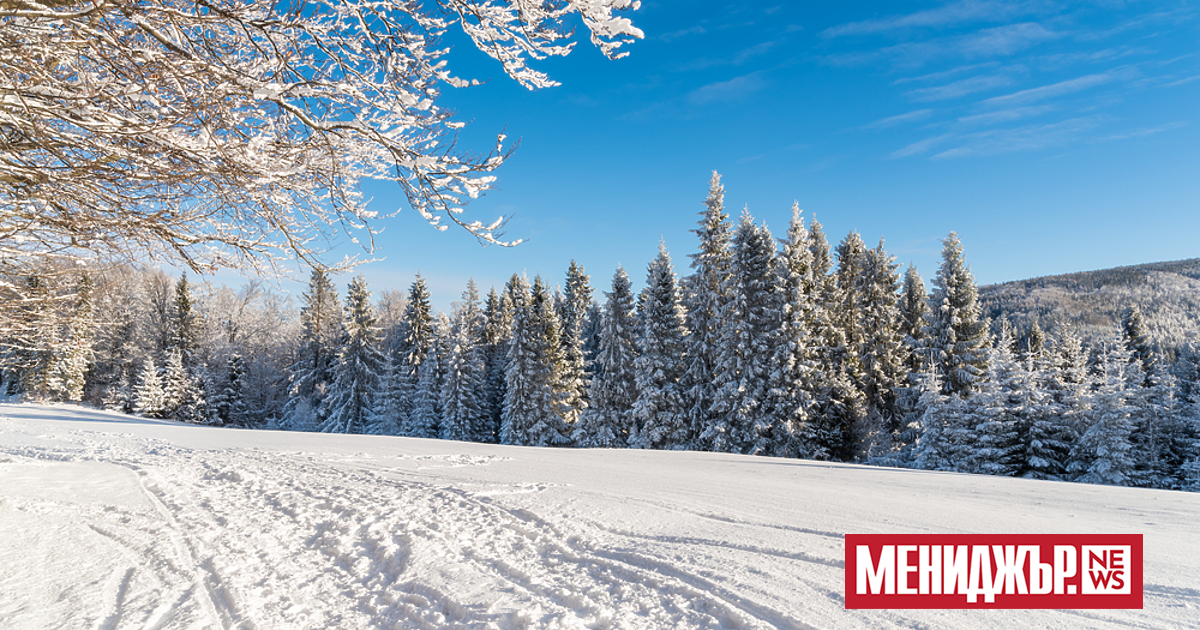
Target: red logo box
[(993, 571)]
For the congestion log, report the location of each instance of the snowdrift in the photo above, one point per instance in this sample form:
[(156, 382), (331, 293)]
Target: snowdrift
[(109, 522)]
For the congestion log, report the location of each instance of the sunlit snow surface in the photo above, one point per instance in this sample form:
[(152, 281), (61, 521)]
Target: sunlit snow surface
[(113, 522)]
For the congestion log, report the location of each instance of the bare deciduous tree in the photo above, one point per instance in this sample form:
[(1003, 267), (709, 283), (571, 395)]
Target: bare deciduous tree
[(224, 133)]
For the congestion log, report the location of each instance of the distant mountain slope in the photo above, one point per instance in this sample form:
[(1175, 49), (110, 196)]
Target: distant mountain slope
[(1168, 294)]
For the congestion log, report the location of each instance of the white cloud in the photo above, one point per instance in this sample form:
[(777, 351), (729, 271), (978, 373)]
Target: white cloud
[(1061, 88), (1027, 138), (960, 88), (922, 146), (725, 91), (966, 11), (920, 114)]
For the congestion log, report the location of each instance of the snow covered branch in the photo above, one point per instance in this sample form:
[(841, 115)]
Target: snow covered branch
[(237, 133)]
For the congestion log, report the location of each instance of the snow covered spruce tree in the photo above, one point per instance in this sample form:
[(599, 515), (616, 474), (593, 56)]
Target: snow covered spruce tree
[(794, 361), (183, 394), (498, 312), (658, 412), (348, 406), (1059, 377), (914, 307), (572, 313), (424, 416), (1162, 435), (74, 356), (148, 398), (410, 345), (744, 420), (1103, 453), (228, 406), (838, 405), (958, 339), (1002, 408), (608, 421), (463, 405), (258, 118), (313, 370), (530, 403), (705, 298), (883, 354)]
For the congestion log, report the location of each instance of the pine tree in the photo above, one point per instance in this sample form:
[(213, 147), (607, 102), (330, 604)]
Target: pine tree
[(1137, 339), (466, 374), (1002, 407), (186, 328), (573, 310), (838, 404), (148, 398), (1103, 453), (497, 332), (958, 339), (705, 300), (531, 416), (658, 412), (608, 420), (183, 398), (945, 437), (1058, 376), (558, 393), (914, 309), (75, 356), (348, 406), (883, 354), (745, 423), (313, 370), (794, 360), (229, 404), (424, 419)]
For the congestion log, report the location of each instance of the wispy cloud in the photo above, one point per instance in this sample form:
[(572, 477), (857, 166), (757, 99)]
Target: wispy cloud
[(1061, 88), (674, 35), (922, 146), (726, 91), (961, 88), (1145, 131), (920, 114), (739, 58), (966, 11), (946, 74), (1026, 138), (1005, 115), (1001, 41)]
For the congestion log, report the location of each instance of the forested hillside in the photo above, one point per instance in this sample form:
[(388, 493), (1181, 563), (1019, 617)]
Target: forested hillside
[(789, 347), (1092, 302)]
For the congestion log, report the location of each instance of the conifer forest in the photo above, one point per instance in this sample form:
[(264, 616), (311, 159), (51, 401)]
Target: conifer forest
[(775, 345)]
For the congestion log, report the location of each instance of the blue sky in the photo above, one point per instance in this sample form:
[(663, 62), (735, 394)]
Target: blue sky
[(1052, 136)]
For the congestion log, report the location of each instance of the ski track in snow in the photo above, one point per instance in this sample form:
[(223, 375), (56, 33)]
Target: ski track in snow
[(241, 538), (244, 543)]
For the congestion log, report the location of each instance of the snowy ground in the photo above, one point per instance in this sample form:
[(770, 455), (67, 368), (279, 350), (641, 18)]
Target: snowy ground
[(114, 522)]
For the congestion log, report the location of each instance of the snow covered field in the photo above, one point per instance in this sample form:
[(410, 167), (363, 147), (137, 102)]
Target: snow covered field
[(108, 521)]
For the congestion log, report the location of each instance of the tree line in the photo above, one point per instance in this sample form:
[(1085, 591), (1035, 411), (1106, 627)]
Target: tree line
[(785, 347)]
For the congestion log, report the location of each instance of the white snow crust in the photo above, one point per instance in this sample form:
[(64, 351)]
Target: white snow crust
[(108, 522)]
